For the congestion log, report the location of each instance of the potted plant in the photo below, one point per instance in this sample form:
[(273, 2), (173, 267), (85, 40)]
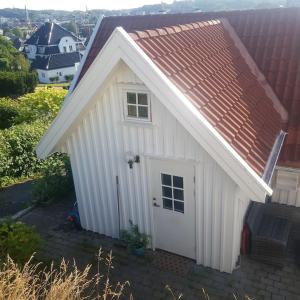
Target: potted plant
[(135, 240)]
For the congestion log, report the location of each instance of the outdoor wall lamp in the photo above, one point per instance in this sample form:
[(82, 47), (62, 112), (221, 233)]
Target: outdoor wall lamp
[(131, 159)]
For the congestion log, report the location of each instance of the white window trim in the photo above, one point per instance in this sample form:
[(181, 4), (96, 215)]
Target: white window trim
[(136, 90)]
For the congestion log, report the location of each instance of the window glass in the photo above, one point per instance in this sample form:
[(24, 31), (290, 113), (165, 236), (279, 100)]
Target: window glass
[(179, 206), (178, 194), (166, 179), (142, 99), (131, 98), (143, 112), (178, 182), (167, 192), (167, 203), (132, 111)]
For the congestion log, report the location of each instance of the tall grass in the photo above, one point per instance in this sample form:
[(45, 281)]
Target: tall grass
[(65, 282)]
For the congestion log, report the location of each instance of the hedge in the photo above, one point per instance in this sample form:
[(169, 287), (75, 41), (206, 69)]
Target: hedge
[(17, 83), (9, 112)]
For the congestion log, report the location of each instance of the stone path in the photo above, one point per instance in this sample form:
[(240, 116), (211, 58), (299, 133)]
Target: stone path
[(149, 276)]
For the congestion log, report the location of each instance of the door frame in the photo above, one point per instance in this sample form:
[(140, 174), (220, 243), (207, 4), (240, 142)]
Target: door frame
[(192, 163)]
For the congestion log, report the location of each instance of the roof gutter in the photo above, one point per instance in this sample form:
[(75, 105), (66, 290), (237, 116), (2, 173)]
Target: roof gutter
[(273, 158)]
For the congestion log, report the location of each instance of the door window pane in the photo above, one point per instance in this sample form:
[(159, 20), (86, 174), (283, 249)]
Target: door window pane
[(178, 182), (167, 192), (179, 206), (178, 194), (167, 203), (166, 179)]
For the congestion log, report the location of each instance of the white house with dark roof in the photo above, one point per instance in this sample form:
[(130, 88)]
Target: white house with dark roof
[(54, 52)]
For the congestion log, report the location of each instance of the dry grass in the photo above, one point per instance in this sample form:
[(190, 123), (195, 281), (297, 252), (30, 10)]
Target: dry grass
[(67, 282)]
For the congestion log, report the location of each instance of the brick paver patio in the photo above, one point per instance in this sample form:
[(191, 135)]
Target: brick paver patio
[(148, 276)]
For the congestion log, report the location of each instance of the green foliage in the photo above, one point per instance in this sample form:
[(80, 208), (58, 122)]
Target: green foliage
[(133, 238), (17, 83), (71, 26), (12, 59), (56, 181), (9, 111), (54, 79), (43, 103), (69, 77), (18, 240), (17, 150)]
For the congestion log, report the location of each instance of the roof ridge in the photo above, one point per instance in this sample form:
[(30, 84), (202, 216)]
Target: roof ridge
[(168, 30)]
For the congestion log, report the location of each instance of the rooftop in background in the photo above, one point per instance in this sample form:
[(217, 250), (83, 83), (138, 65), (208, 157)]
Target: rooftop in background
[(49, 34), (56, 61), (271, 36)]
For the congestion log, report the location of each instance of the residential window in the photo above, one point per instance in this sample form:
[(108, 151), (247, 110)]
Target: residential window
[(65, 49), (43, 75), (138, 105), (70, 48), (172, 192)]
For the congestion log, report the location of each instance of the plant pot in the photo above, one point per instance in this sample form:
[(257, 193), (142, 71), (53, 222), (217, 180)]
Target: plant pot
[(139, 251)]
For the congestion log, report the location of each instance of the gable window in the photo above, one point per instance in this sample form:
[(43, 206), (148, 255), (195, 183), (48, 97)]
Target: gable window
[(138, 106)]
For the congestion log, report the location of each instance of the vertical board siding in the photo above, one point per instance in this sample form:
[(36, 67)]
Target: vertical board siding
[(290, 193), (98, 147)]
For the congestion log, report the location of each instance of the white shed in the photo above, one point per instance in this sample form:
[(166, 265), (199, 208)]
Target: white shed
[(144, 147)]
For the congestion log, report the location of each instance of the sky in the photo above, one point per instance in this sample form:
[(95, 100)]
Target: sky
[(77, 4)]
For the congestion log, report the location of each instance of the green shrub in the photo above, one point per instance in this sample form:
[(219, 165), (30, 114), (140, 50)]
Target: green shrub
[(56, 181), (17, 149), (18, 240), (43, 103), (17, 83), (133, 238), (9, 112), (69, 78)]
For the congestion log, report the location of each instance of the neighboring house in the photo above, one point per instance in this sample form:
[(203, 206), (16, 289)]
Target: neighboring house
[(174, 128), (55, 52)]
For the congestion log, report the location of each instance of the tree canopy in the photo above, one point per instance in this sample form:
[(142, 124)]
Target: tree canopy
[(10, 58)]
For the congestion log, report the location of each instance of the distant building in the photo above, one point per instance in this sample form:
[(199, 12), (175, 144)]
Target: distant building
[(54, 52)]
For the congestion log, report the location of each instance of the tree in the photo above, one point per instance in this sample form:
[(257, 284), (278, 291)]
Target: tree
[(71, 26), (10, 58)]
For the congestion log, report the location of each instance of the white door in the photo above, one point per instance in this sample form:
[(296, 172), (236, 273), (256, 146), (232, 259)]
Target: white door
[(173, 203)]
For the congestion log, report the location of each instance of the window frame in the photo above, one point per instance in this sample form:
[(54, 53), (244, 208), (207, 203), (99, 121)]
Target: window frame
[(125, 105), (173, 199)]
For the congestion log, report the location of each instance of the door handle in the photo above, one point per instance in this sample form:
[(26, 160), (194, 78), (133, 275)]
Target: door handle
[(156, 205)]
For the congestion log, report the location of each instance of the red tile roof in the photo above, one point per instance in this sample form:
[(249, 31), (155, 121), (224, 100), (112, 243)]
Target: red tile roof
[(203, 60), (271, 36)]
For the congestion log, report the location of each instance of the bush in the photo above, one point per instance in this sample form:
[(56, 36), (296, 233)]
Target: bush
[(56, 181), (17, 150), (9, 112), (69, 78), (17, 83), (17, 240), (44, 103)]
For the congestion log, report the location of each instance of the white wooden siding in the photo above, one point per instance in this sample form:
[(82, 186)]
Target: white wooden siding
[(286, 183), (98, 145)]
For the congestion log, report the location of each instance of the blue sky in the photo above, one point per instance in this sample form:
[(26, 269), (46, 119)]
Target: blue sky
[(77, 4)]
